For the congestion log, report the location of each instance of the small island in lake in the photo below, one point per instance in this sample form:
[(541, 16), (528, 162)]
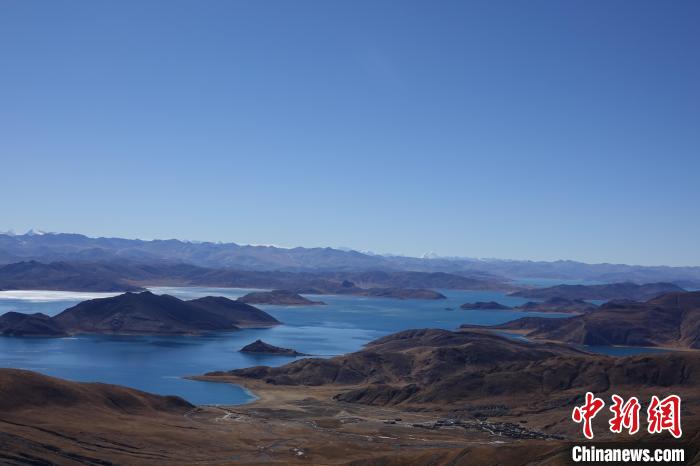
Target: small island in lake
[(484, 305), (349, 288), (398, 293), (260, 347), (562, 305), (283, 297)]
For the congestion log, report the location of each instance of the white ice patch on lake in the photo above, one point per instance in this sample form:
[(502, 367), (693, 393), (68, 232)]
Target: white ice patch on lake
[(45, 296)]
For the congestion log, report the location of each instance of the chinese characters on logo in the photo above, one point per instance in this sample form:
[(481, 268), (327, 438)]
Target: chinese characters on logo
[(587, 412), (625, 415), (662, 415), (665, 415)]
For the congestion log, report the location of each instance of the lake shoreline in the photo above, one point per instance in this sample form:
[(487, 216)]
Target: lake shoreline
[(159, 363)]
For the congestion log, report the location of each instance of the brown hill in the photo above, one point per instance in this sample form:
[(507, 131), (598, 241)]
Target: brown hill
[(439, 367), (399, 293), (671, 320), (38, 325), (20, 389), (147, 313), (48, 421), (625, 290), (349, 288), (282, 297), (240, 313), (260, 347), (484, 305), (565, 305)]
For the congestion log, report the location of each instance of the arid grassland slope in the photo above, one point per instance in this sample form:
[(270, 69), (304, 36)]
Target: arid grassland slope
[(47, 421), (416, 397), (438, 368), (671, 320)]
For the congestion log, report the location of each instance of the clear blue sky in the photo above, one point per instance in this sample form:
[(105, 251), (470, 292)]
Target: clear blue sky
[(530, 130)]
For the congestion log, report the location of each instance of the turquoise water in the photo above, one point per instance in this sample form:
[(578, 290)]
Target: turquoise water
[(157, 364)]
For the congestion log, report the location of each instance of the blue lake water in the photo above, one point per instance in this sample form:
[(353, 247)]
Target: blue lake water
[(157, 364)]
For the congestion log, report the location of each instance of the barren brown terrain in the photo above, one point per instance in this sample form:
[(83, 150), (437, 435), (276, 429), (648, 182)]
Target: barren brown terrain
[(67, 423), (671, 321), (417, 397)]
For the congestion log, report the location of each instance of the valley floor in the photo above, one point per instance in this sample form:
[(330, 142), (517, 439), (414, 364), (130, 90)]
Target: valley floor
[(286, 425)]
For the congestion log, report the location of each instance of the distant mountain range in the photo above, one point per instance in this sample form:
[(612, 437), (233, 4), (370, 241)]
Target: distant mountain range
[(51, 247), (134, 276), (56, 247)]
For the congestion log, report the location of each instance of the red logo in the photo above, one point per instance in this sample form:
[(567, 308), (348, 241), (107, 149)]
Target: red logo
[(665, 415), (662, 415), (587, 412), (625, 415)]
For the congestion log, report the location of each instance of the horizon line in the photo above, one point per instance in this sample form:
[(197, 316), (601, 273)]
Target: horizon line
[(433, 256)]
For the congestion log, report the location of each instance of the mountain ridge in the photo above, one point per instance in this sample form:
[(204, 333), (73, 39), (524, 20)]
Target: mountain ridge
[(622, 290), (670, 320), (135, 276), (52, 247)]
